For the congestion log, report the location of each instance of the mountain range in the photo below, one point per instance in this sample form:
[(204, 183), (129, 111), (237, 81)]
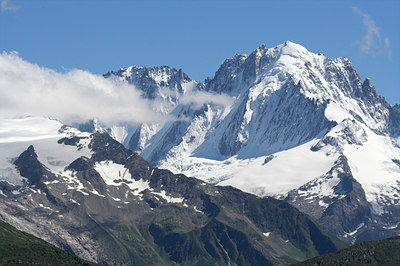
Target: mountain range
[(278, 158), (89, 195), (300, 127)]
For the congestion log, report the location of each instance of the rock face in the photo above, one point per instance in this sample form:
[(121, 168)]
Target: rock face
[(151, 79), (310, 112), (394, 121), (106, 204), (341, 205)]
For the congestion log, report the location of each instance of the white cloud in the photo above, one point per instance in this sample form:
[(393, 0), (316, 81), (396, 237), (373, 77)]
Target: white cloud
[(75, 96), (198, 98), (6, 6), (372, 43), (387, 47)]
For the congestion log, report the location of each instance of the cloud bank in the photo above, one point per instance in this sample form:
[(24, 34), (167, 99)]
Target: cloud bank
[(75, 96), (372, 43)]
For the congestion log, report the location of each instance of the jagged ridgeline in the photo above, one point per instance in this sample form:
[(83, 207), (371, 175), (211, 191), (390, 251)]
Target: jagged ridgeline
[(301, 127), (89, 195)]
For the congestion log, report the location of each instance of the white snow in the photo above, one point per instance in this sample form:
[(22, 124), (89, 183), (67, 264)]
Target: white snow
[(323, 204), (115, 199), (196, 210), (115, 174), (252, 176), (355, 231), (51, 182), (391, 227), (95, 192), (290, 169), (73, 182), (44, 207), (372, 166), (2, 193), (119, 133), (74, 201), (169, 199), (335, 112), (321, 187), (17, 134)]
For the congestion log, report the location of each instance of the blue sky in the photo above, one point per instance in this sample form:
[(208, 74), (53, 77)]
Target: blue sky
[(197, 36)]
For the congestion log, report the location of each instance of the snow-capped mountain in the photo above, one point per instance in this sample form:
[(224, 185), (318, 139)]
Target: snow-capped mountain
[(87, 194), (164, 82), (163, 85), (302, 127)]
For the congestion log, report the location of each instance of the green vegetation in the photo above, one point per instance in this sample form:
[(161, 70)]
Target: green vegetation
[(380, 252), (139, 249), (18, 247)]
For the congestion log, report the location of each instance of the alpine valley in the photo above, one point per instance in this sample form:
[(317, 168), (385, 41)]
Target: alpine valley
[(283, 155)]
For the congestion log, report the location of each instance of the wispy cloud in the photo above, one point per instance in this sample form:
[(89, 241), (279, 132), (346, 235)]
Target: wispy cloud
[(75, 96), (372, 42), (199, 98), (387, 47), (7, 6)]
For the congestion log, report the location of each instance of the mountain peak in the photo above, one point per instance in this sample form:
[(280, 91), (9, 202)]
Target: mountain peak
[(292, 44), (151, 79), (262, 47), (157, 73), (367, 82), (293, 49), (287, 47)]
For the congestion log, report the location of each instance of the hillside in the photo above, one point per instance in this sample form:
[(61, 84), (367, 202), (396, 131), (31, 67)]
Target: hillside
[(380, 252), (17, 247)]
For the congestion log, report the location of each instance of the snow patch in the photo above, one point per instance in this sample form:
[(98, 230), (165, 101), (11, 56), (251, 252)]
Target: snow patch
[(115, 199), (115, 174), (169, 199), (355, 231), (17, 134), (74, 201), (372, 166), (194, 207)]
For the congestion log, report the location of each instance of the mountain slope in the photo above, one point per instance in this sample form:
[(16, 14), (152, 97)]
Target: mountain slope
[(110, 206), (17, 247), (301, 126), (381, 252)]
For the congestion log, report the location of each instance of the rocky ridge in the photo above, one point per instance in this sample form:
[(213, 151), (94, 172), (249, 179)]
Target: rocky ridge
[(89, 195)]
